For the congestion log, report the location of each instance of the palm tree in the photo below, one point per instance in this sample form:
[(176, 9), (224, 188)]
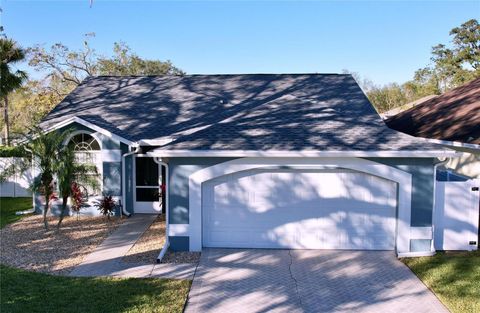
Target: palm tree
[(10, 54), (70, 172), (46, 152), (54, 159)]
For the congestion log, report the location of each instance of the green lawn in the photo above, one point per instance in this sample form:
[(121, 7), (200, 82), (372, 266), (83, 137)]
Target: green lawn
[(454, 277), (23, 291), (8, 207)]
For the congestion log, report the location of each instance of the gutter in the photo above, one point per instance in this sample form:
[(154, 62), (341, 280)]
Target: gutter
[(124, 210), (432, 248), (159, 152), (452, 143), (160, 162)]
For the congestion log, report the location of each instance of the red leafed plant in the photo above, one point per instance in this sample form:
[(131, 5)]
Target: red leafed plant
[(106, 206), (162, 189), (53, 196), (77, 197)]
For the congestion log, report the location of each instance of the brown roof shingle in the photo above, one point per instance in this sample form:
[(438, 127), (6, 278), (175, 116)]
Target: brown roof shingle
[(452, 116)]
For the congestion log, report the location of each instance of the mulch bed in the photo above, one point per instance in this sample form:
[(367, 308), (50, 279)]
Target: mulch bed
[(181, 257), (147, 248), (25, 244)]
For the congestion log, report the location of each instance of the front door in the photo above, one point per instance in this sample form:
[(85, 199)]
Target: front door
[(147, 192)]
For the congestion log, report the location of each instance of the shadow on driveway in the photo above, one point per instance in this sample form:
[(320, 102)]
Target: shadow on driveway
[(258, 280)]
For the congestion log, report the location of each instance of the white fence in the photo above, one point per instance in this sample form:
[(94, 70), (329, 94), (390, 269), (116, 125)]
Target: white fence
[(456, 215), (18, 184)]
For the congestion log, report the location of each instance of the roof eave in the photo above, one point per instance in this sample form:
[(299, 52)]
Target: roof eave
[(302, 153), (92, 126), (452, 143)]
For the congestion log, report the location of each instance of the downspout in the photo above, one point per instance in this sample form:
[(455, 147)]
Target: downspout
[(124, 202), (432, 247), (167, 241)]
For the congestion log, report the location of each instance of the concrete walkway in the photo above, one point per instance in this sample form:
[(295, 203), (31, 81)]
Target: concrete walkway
[(256, 280), (106, 259)]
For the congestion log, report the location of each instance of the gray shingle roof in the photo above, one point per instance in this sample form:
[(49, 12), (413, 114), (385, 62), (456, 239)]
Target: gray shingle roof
[(236, 112)]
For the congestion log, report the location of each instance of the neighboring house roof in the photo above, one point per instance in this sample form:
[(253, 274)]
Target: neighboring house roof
[(288, 112), (452, 116), (395, 111)]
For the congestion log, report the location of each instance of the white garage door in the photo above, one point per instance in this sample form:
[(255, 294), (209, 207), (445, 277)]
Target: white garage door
[(300, 209)]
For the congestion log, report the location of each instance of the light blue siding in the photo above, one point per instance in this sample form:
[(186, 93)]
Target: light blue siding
[(112, 178), (112, 169), (129, 183), (420, 168), (108, 143), (422, 184), (179, 243), (180, 170)]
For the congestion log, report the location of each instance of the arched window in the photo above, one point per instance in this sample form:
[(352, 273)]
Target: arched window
[(86, 148), (88, 151), (84, 142)]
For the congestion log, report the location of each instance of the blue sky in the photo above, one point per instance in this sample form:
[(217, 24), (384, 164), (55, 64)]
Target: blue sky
[(385, 41)]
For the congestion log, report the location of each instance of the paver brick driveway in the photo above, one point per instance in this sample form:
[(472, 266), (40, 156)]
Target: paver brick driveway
[(256, 280)]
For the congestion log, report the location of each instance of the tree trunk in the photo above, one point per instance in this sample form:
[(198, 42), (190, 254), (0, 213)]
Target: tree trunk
[(7, 122), (45, 210), (64, 209)]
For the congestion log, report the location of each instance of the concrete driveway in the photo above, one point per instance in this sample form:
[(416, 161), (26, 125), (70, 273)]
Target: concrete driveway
[(257, 280)]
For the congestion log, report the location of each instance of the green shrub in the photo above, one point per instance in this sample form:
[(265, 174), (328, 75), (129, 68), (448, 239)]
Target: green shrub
[(13, 151)]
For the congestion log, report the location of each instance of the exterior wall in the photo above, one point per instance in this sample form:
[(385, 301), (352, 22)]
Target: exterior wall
[(422, 186), (468, 164), (179, 171), (421, 170), (112, 178), (128, 180), (111, 155)]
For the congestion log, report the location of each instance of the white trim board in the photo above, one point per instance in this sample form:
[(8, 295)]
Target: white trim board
[(107, 155), (266, 153), (91, 126), (144, 207), (302, 154), (452, 143), (156, 142), (81, 131), (404, 180), (100, 153)]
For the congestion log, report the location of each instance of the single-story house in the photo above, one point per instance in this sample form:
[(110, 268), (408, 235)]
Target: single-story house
[(451, 119), (298, 161)]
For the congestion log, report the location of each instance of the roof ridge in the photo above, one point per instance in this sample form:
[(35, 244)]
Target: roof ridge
[(226, 74)]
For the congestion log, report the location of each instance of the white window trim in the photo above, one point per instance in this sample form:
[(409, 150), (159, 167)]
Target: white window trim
[(99, 159), (134, 178), (78, 132)]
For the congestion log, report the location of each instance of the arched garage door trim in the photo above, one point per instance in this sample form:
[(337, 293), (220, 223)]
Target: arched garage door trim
[(403, 179)]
